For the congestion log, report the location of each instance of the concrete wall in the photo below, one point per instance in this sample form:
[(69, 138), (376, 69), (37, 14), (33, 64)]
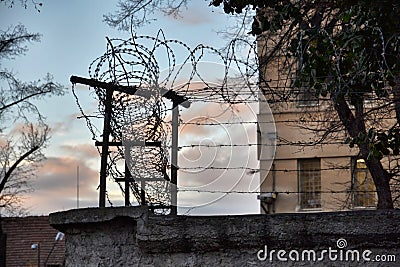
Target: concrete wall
[(133, 237)]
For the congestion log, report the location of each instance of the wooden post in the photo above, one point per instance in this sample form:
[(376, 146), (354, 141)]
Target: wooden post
[(142, 192), (128, 177), (104, 147), (174, 158)]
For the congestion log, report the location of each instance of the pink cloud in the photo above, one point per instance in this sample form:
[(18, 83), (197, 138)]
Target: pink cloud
[(56, 185), (194, 16), (83, 151)]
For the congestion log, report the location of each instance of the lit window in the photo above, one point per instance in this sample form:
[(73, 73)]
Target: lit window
[(310, 183), (363, 185)]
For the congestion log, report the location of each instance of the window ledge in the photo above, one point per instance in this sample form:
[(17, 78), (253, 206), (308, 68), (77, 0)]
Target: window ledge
[(309, 210), (363, 208)]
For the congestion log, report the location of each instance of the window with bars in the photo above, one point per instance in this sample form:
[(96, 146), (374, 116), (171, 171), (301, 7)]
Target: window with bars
[(306, 97), (309, 183), (364, 194)]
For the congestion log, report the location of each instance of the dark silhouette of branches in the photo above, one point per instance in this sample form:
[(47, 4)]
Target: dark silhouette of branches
[(24, 133), (136, 13), (19, 160), (13, 41), (24, 3)]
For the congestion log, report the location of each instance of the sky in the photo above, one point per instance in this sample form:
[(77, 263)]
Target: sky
[(73, 35)]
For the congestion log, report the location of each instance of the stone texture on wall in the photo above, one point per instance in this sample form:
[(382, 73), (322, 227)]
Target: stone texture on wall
[(131, 236)]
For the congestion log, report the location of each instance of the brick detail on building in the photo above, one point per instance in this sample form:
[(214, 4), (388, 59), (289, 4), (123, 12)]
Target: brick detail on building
[(22, 232)]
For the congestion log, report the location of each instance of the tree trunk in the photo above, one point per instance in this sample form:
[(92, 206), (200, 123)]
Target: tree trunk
[(355, 125), (396, 99), (382, 183)]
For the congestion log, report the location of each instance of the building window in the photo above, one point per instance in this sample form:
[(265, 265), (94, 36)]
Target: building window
[(306, 96), (364, 188), (309, 183)]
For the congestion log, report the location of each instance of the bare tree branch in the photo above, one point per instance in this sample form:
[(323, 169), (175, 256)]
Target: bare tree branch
[(24, 133), (15, 165), (135, 13)]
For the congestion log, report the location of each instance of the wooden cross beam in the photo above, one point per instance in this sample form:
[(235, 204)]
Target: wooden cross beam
[(131, 90)]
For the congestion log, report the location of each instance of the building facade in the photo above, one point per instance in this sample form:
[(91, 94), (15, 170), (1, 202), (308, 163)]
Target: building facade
[(308, 174), (311, 168)]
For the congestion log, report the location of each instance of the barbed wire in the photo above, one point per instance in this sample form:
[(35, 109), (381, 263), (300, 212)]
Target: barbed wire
[(134, 62), (287, 192), (258, 169)]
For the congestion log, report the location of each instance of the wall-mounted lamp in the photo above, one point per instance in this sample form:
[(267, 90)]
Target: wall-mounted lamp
[(36, 246), (59, 237)]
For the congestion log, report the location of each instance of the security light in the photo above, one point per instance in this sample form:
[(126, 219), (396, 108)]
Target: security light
[(36, 246), (268, 198)]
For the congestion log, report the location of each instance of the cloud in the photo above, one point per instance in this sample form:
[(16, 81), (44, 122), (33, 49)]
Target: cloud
[(56, 185), (58, 174), (194, 16), (64, 126), (228, 149), (199, 115), (201, 16), (82, 151)]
